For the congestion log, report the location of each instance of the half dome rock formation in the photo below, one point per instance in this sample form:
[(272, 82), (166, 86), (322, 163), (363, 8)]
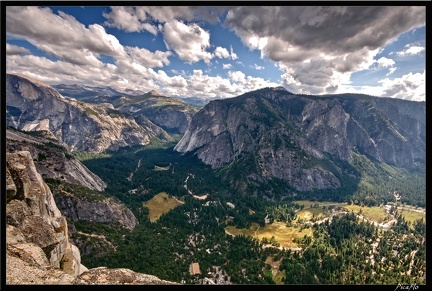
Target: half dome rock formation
[(32, 105)]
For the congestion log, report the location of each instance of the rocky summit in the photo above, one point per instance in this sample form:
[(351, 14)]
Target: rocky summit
[(272, 133)]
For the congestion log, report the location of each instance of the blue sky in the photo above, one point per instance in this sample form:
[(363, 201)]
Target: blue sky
[(220, 52)]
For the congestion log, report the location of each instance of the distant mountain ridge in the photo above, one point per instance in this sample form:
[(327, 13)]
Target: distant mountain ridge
[(86, 93), (272, 133), (171, 114)]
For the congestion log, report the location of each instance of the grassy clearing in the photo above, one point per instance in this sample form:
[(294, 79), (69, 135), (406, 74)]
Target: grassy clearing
[(157, 168), (309, 213), (374, 213), (160, 204), (308, 204), (283, 234), (412, 216)]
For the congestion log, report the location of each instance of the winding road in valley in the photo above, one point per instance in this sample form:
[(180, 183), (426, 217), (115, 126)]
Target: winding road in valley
[(136, 169)]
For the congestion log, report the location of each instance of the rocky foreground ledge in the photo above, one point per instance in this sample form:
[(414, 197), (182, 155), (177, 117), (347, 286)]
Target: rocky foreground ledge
[(38, 250)]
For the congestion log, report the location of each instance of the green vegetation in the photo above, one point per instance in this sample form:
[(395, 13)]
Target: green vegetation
[(171, 235), (80, 192), (379, 181), (115, 113), (90, 111), (412, 216), (83, 156)]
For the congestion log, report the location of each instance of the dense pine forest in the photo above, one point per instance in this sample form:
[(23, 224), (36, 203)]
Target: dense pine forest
[(341, 250)]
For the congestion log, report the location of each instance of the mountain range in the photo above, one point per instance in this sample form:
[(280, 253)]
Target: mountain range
[(306, 141), (269, 143)]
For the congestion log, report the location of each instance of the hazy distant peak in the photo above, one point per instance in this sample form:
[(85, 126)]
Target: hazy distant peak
[(154, 93)]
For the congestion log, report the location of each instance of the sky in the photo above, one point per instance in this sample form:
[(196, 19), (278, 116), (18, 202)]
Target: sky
[(213, 52)]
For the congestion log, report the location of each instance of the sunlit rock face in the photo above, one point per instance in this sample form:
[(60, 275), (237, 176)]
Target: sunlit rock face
[(36, 226), (286, 135), (52, 160), (32, 105)]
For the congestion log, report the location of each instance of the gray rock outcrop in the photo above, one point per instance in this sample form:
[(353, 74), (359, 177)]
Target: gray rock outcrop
[(52, 160), (35, 226)]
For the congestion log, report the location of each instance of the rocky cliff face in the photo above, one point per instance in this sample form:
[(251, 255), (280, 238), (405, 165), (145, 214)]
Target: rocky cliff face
[(52, 160), (80, 202), (36, 230), (290, 136), (32, 105), (38, 250)]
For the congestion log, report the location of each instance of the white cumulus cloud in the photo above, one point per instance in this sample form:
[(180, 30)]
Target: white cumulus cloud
[(189, 41), (411, 50)]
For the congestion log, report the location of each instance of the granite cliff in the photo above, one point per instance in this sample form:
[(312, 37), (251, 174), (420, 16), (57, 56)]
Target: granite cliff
[(77, 191), (51, 159), (32, 105), (272, 133)]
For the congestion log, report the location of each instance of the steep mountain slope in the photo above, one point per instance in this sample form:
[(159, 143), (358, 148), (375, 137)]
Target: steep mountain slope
[(307, 141), (172, 114), (32, 105)]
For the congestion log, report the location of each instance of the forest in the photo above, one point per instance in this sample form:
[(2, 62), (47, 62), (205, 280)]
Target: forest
[(343, 250)]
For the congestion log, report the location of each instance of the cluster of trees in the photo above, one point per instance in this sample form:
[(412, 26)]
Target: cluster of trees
[(343, 252), (379, 182)]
